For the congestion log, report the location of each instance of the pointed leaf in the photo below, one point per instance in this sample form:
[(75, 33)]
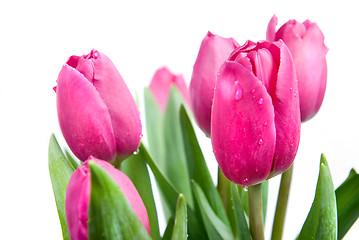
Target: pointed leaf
[(197, 166), (60, 172), (170, 193), (110, 214), (321, 222), (215, 228), (136, 169), (180, 224), (347, 196), (237, 215), (176, 165)]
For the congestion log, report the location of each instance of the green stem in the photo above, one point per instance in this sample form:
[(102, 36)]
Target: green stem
[(223, 184), (282, 202), (255, 211)]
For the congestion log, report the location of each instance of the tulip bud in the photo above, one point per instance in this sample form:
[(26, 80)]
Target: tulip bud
[(160, 86), (78, 198), (213, 52), (306, 44), (255, 114), (97, 113)]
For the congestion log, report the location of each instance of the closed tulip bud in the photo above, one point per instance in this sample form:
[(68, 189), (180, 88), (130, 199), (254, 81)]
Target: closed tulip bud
[(306, 44), (97, 113), (213, 52), (255, 114), (78, 198), (161, 83)]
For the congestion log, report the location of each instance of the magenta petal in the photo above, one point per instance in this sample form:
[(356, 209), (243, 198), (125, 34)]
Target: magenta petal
[(311, 68), (83, 116), (287, 113), (122, 108), (213, 52), (243, 129), (271, 28)]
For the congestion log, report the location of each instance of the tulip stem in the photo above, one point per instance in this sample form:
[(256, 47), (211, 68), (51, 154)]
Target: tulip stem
[(222, 187), (282, 202), (256, 211)]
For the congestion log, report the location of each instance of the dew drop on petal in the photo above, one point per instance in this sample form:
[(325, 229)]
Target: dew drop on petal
[(260, 141), (260, 101), (253, 90), (239, 94), (265, 124)]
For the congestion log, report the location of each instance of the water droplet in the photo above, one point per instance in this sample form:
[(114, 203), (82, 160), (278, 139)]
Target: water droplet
[(244, 129), (265, 124), (235, 156), (260, 101), (135, 152), (257, 170), (295, 93), (291, 89), (245, 189), (245, 181), (239, 94), (141, 135), (260, 141), (253, 90)]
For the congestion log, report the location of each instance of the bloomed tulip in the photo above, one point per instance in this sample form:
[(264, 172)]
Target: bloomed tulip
[(78, 197), (160, 86), (97, 113), (255, 114), (213, 52), (306, 44)]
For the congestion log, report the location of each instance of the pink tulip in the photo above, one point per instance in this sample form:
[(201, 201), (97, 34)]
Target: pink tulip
[(306, 44), (78, 194), (161, 83), (255, 113), (213, 52), (97, 113)]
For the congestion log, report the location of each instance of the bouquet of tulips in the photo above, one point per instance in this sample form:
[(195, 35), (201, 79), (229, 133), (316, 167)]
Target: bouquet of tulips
[(248, 99)]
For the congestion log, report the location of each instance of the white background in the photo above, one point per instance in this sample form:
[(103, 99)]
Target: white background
[(37, 37)]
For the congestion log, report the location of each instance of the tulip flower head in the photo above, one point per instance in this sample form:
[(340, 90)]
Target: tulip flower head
[(161, 83), (255, 114), (306, 44), (78, 194), (97, 113), (213, 52)]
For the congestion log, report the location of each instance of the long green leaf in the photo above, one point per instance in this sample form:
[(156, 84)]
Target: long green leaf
[(197, 167), (60, 172), (170, 193), (215, 228), (136, 169), (347, 196), (176, 165), (321, 222), (180, 224), (237, 215), (110, 214)]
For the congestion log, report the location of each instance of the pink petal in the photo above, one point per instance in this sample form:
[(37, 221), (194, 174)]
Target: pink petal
[(83, 116), (243, 130), (213, 52), (271, 28), (287, 114), (122, 108)]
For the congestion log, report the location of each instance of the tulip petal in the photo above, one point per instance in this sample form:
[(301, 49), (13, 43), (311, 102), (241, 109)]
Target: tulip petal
[(213, 52), (243, 129), (312, 71), (271, 28), (83, 116), (287, 114), (122, 108)]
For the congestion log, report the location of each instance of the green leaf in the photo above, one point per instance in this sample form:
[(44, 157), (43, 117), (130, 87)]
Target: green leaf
[(347, 196), (136, 169), (180, 224), (197, 167), (72, 160), (215, 228), (60, 172), (110, 214), (237, 215), (176, 165), (321, 222), (169, 229), (170, 194), (154, 128)]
